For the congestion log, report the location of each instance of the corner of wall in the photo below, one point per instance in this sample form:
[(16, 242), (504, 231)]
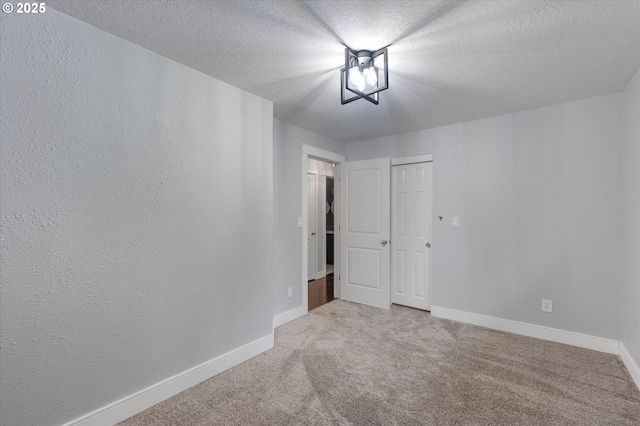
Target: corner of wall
[(630, 324), (631, 365), (147, 398)]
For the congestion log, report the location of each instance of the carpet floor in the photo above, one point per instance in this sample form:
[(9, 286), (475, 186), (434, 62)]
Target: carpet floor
[(350, 364)]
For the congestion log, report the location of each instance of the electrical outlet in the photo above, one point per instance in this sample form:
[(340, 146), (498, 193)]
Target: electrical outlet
[(289, 292), (547, 305), (455, 222)]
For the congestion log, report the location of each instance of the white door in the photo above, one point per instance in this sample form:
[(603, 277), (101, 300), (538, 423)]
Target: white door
[(411, 208), (365, 232), (312, 232)]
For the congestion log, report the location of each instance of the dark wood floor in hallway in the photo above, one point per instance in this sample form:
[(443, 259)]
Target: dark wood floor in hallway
[(320, 291)]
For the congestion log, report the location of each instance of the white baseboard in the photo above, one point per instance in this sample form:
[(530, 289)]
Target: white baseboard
[(546, 333), (146, 398), (290, 315), (631, 365)]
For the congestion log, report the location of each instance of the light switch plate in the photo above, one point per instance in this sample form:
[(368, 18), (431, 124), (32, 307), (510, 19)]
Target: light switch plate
[(300, 222), (455, 222)]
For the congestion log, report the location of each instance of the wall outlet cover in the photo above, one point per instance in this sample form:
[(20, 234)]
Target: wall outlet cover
[(547, 305)]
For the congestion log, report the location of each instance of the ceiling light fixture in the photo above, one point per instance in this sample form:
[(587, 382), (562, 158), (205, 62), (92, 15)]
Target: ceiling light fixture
[(364, 75)]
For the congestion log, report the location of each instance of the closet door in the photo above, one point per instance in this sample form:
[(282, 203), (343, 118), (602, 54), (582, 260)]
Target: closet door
[(411, 190)]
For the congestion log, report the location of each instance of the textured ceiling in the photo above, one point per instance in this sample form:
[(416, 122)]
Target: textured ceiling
[(449, 61)]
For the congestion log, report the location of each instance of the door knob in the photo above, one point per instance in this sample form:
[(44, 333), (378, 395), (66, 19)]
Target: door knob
[(384, 242), (313, 233), (428, 245)]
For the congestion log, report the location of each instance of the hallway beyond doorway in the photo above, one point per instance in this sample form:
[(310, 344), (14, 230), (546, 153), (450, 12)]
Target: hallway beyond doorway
[(320, 291)]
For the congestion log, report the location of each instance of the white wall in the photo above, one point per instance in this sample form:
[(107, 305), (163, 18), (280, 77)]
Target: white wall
[(137, 215), (287, 165), (539, 201), (631, 196)]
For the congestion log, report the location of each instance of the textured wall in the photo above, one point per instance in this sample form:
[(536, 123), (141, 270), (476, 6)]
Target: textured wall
[(538, 196), (287, 153), (136, 217), (631, 197)]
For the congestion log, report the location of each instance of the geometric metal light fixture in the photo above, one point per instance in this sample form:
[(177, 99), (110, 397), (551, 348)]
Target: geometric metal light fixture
[(364, 75)]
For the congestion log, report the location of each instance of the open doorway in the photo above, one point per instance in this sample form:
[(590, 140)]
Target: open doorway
[(321, 207), (320, 232), (330, 221), (320, 222)]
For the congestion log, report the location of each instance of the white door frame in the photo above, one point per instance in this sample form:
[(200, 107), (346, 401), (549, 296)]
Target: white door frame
[(331, 157), (423, 158)]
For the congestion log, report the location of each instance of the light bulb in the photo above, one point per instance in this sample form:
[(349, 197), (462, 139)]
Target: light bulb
[(372, 77), (353, 75), (356, 78)]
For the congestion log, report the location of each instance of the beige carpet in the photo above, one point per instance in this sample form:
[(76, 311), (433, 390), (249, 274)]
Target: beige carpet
[(348, 364)]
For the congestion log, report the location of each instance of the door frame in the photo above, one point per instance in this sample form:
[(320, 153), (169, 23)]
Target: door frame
[(423, 158), (331, 157)]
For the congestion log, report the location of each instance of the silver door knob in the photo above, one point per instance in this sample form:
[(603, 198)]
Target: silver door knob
[(384, 242), (428, 245), (313, 233)]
